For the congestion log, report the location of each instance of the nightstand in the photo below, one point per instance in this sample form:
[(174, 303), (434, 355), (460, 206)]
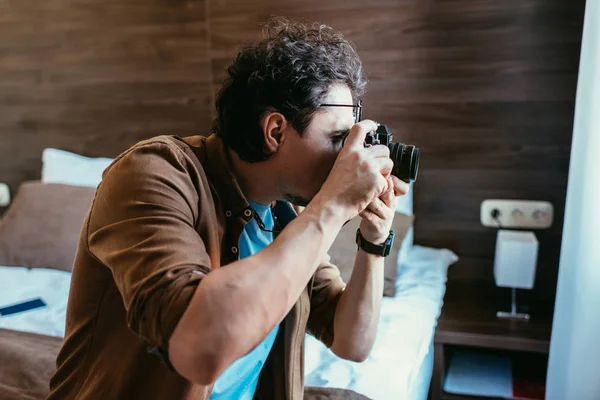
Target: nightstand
[(468, 322)]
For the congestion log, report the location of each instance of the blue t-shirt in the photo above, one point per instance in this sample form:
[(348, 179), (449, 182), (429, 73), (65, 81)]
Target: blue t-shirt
[(240, 379)]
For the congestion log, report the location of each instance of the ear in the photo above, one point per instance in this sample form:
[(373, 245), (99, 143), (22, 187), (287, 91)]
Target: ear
[(274, 125)]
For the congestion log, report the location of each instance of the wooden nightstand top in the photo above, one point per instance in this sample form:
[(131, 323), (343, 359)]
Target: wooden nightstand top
[(469, 319)]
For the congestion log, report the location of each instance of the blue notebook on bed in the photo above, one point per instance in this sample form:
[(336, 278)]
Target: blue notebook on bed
[(21, 307)]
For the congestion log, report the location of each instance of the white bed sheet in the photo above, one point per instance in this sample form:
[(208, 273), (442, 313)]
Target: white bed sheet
[(399, 366), (19, 284)]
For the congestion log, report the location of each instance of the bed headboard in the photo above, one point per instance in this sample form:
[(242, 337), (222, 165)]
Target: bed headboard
[(485, 88)]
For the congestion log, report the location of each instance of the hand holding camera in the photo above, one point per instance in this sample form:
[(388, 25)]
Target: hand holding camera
[(378, 216), (360, 173), (405, 156), (369, 172)]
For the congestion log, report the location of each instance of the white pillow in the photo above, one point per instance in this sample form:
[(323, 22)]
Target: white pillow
[(59, 166), (405, 206), (405, 203)]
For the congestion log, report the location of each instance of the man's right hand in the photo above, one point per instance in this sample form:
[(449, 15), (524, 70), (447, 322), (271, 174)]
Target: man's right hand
[(359, 174)]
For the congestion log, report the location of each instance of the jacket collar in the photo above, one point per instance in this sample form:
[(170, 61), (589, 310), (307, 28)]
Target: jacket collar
[(221, 177), (217, 165)]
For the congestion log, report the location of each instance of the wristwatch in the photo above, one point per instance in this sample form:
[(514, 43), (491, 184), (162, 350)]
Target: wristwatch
[(372, 248)]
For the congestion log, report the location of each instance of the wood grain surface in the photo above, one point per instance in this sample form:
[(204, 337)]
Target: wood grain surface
[(97, 76), (485, 88)]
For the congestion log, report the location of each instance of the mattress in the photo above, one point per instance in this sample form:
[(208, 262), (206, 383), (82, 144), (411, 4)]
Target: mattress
[(400, 364)]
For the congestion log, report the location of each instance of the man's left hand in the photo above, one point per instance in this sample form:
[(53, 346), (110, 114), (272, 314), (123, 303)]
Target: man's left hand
[(378, 216)]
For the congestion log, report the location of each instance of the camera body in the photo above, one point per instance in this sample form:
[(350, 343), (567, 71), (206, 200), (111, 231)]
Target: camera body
[(404, 156), (381, 136)]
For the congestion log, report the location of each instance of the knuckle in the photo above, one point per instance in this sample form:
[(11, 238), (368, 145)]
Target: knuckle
[(356, 155), (384, 183), (374, 175), (386, 150), (366, 164)]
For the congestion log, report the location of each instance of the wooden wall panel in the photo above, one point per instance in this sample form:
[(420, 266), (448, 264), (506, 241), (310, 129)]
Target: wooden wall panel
[(485, 88), (96, 76)]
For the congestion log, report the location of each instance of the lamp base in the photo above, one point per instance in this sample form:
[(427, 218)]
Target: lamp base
[(513, 314)]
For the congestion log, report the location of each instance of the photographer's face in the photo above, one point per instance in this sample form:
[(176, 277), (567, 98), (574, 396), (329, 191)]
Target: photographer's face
[(307, 159)]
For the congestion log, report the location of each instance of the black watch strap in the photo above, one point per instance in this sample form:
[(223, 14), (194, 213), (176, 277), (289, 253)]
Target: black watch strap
[(383, 249)]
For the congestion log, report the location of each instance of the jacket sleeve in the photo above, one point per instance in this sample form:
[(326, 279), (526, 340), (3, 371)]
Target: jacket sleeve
[(327, 287), (141, 226)]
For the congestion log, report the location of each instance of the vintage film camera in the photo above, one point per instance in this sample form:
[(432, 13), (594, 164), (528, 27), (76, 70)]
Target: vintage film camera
[(405, 156)]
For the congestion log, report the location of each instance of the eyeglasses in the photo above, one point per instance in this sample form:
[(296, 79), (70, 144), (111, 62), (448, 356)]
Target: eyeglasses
[(356, 109)]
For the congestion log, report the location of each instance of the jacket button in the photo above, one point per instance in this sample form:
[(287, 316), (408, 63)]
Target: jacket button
[(228, 213), (234, 250), (248, 212)]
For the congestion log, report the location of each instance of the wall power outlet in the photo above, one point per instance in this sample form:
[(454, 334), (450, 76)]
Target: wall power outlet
[(4, 195), (525, 214)]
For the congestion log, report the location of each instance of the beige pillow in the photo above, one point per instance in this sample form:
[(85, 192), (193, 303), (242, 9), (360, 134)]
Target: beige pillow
[(41, 227), (343, 250)]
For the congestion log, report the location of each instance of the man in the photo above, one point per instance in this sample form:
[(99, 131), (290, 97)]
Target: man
[(188, 284)]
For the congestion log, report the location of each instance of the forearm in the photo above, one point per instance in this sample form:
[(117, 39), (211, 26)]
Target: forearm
[(357, 314), (235, 307)]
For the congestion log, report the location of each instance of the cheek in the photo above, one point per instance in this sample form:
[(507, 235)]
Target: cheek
[(313, 161), (321, 166)]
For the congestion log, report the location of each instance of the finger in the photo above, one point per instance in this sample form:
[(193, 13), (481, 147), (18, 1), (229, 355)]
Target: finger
[(400, 187), (378, 208), (379, 150), (381, 185), (384, 165), (358, 133), (388, 197), (368, 215)]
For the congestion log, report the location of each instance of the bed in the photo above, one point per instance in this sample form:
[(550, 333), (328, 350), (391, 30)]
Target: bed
[(401, 362), (399, 366)]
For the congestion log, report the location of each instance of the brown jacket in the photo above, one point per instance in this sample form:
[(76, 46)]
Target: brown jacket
[(167, 212)]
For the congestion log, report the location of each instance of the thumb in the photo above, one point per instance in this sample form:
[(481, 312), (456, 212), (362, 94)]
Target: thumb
[(358, 133)]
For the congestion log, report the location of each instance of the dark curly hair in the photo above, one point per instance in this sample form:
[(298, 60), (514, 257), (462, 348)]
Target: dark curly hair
[(290, 71)]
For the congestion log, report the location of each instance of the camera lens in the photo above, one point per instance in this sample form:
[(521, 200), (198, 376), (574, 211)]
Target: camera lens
[(406, 161)]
